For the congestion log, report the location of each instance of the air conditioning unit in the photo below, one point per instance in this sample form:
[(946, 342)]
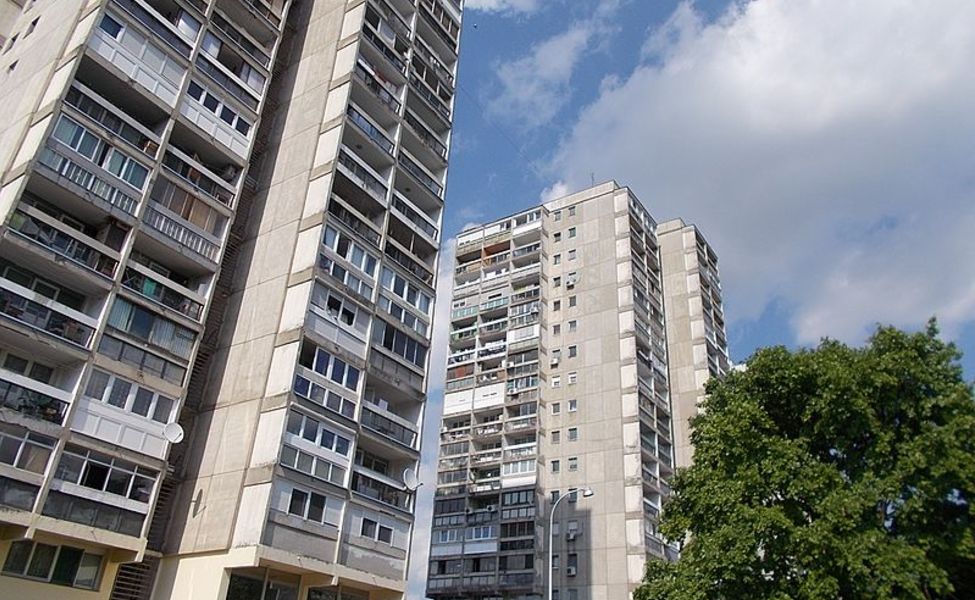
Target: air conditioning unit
[(554, 362), (571, 536), (492, 508), (571, 571)]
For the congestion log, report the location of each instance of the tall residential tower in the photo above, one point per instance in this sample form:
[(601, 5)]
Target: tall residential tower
[(219, 225), (557, 379)]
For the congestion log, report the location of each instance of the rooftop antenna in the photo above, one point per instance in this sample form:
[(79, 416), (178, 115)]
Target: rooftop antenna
[(592, 179)]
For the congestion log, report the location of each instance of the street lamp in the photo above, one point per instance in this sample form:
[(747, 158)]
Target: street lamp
[(586, 493)]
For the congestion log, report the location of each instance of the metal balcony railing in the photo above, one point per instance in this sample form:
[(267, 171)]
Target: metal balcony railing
[(31, 402), (180, 233), (72, 171), (63, 243), (40, 317)]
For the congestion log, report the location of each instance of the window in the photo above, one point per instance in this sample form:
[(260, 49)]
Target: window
[(110, 26), (314, 507), (62, 565), (556, 561), (340, 309), (556, 329), (572, 211), (406, 290), (557, 305), (573, 562), (352, 252), (215, 105), (330, 367), (403, 315), (554, 495), (573, 434), (140, 359), (573, 378), (25, 450), (573, 463), (556, 436), (556, 382), (557, 237), (556, 408), (399, 343), (556, 355), (556, 282), (313, 431), (573, 351), (385, 534), (556, 466), (573, 325), (572, 254), (129, 396), (557, 215), (573, 594), (103, 473), (572, 232), (310, 464), (572, 301), (77, 137), (573, 405), (31, 27), (10, 45), (518, 467), (556, 259), (368, 528), (27, 367)]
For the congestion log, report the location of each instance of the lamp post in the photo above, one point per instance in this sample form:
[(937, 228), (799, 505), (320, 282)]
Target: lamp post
[(586, 493)]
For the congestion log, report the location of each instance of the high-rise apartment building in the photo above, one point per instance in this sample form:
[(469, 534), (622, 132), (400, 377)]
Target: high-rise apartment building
[(190, 246), (557, 380), (696, 342)]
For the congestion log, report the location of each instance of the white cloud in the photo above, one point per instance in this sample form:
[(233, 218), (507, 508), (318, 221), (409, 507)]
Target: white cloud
[(431, 425), (556, 190), (825, 147), (504, 6)]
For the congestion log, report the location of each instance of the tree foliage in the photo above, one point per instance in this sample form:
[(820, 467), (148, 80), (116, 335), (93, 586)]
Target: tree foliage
[(829, 473)]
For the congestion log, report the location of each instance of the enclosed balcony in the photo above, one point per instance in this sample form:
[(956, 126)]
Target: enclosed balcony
[(26, 308), (261, 19), (179, 29), (152, 286), (381, 489), (157, 69), (31, 398), (388, 425), (217, 117)]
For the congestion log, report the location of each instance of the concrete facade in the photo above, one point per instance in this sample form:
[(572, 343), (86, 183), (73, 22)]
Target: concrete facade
[(191, 246), (697, 346), (557, 379)]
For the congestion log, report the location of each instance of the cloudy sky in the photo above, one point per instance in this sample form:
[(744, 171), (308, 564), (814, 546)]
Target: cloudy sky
[(826, 148)]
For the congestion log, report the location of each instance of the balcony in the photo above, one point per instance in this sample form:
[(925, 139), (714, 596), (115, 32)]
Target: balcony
[(371, 487), (428, 85), (385, 96), (395, 372), (486, 458), (389, 426), (423, 223), (172, 227), (241, 41), (198, 110), (370, 130), (231, 83), (372, 25), (356, 170), (429, 139), (127, 53), (32, 398), (198, 177), (61, 239), (46, 315), (418, 173), (487, 430), (414, 267), (521, 424), (137, 278), (64, 168), (443, 26)]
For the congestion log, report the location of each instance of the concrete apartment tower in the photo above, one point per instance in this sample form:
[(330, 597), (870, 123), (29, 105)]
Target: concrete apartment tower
[(696, 342), (557, 380), (215, 292)]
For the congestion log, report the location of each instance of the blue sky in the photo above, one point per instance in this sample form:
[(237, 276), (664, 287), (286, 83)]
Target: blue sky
[(826, 149)]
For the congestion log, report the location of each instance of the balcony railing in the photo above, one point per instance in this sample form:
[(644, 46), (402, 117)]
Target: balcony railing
[(32, 403), (159, 292), (416, 171), (414, 216), (435, 102), (227, 82), (65, 167), (521, 424), (63, 243), (180, 233), (421, 50), (372, 84), (387, 427), (244, 44), (264, 11), (353, 222), (196, 179), (45, 319), (357, 173), (372, 132), (419, 271), (430, 140), (429, 17), (379, 491)]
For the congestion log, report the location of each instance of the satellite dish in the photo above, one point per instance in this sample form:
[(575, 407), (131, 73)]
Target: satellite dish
[(410, 480), (173, 432)]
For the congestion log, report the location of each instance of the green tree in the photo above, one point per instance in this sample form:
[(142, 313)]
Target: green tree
[(830, 473)]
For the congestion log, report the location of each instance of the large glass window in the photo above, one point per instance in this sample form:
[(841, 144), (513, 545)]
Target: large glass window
[(84, 142), (129, 396), (149, 327), (25, 450), (106, 474), (62, 565)]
